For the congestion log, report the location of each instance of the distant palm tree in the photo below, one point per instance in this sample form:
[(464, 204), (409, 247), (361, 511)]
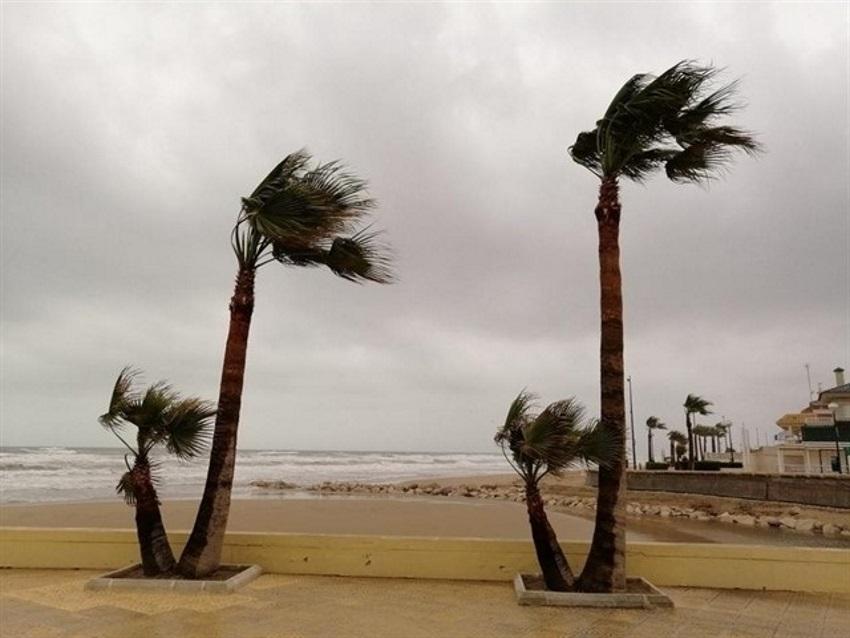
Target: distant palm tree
[(299, 215), (677, 443), (703, 433), (653, 423), (669, 121), (694, 405), (161, 418), (548, 443)]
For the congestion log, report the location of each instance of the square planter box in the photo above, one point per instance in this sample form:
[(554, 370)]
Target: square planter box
[(639, 594), (226, 580)]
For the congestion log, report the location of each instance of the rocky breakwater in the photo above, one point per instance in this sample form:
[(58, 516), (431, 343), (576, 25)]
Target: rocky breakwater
[(790, 518)]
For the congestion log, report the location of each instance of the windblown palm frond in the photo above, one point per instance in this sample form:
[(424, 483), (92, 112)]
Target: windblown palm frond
[(697, 405), (122, 396), (669, 121), (677, 437), (302, 216), (654, 423), (187, 427), (553, 440), (124, 488)]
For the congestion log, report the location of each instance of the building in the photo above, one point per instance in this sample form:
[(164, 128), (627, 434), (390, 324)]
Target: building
[(807, 443)]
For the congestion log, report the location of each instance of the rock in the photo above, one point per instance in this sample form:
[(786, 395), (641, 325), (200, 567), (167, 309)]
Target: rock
[(664, 512), (725, 517), (830, 530), (805, 525), (744, 519), (788, 522), (794, 511)]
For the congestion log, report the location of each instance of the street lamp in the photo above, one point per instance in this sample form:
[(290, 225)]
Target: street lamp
[(833, 407)]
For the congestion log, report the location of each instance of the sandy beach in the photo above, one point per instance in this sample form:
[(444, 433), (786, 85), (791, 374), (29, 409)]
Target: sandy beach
[(408, 514)]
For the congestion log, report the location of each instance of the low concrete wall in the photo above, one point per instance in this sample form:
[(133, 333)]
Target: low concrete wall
[(810, 489), (670, 564)]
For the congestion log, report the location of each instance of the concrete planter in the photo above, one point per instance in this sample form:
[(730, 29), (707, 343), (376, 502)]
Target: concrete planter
[(121, 579), (640, 594)]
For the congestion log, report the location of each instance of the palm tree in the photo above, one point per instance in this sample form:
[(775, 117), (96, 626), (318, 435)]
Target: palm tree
[(653, 423), (677, 443), (542, 444), (299, 215), (670, 121), (161, 418), (703, 433), (694, 405)]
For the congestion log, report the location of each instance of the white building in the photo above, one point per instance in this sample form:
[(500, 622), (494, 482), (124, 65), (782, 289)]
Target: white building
[(807, 443)]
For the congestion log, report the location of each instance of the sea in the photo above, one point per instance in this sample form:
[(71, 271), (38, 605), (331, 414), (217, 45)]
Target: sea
[(72, 474)]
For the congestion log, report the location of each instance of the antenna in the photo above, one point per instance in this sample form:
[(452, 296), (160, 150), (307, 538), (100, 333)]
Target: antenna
[(809, 377)]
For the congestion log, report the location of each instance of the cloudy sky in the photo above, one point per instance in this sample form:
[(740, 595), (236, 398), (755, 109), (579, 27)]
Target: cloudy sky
[(131, 131)]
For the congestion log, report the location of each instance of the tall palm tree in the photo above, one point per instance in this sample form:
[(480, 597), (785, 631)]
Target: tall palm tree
[(162, 418), (653, 423), (677, 443), (669, 121), (694, 405), (299, 215), (548, 443)]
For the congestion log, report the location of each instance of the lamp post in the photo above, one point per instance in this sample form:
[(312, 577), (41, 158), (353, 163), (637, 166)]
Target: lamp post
[(632, 415), (833, 407)]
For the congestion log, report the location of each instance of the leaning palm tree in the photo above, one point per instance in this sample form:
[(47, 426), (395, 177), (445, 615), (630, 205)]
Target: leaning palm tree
[(694, 405), (536, 445), (677, 443), (653, 423), (669, 121), (299, 215), (162, 418)]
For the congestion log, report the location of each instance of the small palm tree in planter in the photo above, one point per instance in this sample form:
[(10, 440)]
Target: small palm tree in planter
[(537, 445), (161, 418)]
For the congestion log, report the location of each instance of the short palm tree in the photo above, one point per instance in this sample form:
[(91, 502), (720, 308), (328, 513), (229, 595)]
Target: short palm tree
[(299, 215), (536, 445), (703, 434), (161, 418), (694, 405), (653, 423), (670, 121), (677, 444)]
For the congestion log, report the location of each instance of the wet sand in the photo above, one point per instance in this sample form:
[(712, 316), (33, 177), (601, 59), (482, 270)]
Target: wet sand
[(391, 516)]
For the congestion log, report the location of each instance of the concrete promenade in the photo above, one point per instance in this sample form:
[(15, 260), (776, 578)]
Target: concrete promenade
[(53, 604)]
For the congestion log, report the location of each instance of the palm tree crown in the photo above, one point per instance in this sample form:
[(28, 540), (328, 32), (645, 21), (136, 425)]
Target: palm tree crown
[(161, 418), (697, 405), (552, 441), (670, 121), (308, 216), (654, 423)]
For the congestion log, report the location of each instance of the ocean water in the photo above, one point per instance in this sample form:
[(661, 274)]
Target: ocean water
[(55, 474)]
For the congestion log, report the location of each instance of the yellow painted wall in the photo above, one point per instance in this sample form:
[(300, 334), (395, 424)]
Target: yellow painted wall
[(671, 564)]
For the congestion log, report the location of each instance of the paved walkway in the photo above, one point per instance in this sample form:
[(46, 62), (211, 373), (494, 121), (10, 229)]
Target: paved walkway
[(48, 604)]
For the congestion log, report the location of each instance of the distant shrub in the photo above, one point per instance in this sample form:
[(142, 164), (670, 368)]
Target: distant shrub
[(731, 464), (656, 466)]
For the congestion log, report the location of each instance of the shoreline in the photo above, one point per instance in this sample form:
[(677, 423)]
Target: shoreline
[(486, 506)]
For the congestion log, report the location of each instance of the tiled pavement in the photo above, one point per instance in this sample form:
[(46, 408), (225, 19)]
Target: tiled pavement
[(42, 604)]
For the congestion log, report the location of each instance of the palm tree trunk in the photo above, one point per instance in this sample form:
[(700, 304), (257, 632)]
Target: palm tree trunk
[(157, 557), (672, 453), (605, 569), (690, 441), (556, 571), (714, 444), (202, 554)]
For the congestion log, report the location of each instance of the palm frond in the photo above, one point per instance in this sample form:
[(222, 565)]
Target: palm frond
[(650, 116), (585, 152), (360, 258), (697, 405), (122, 395), (292, 165), (187, 427), (654, 423), (124, 488)]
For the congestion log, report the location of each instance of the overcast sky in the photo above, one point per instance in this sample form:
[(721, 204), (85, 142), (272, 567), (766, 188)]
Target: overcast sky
[(131, 131)]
